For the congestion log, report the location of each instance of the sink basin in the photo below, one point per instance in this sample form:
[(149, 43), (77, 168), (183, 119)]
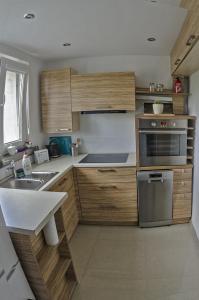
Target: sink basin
[(33, 182)]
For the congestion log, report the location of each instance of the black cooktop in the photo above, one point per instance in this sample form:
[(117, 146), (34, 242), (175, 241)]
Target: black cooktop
[(105, 158)]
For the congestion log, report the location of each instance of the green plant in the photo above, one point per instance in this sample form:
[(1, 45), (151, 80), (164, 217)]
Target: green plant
[(157, 102)]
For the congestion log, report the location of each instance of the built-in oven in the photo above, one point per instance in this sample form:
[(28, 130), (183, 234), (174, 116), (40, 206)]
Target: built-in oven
[(162, 142)]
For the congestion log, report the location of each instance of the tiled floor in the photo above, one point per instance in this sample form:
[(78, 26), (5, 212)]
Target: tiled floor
[(129, 263)]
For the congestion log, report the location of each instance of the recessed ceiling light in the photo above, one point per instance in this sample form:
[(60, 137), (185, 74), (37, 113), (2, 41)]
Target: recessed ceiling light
[(66, 44), (29, 16), (151, 39)]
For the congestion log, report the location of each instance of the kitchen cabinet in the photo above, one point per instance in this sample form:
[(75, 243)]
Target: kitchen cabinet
[(49, 269), (108, 195), (69, 208), (55, 90), (103, 91), (186, 42), (182, 195)]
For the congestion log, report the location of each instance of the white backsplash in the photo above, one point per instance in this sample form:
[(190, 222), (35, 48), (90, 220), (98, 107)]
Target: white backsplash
[(106, 133)]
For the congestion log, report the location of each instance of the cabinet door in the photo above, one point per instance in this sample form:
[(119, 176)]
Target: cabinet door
[(109, 197), (69, 208), (186, 40), (56, 101), (182, 194), (103, 91)]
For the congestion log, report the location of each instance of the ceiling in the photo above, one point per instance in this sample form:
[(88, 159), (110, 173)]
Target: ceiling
[(93, 27)]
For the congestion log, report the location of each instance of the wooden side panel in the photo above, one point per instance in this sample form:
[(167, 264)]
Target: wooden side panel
[(178, 105), (182, 194), (69, 208), (23, 247), (103, 91), (186, 39)]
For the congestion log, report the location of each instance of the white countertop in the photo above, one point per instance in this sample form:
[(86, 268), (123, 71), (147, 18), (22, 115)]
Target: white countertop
[(26, 211), (66, 162)]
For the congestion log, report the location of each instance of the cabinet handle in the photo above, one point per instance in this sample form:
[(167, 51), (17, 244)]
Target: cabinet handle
[(191, 40), (177, 61), (104, 107), (106, 187), (106, 170), (63, 129)]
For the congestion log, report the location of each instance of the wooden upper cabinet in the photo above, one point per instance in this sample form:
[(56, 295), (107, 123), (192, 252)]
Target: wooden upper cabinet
[(55, 87), (103, 91), (186, 40)]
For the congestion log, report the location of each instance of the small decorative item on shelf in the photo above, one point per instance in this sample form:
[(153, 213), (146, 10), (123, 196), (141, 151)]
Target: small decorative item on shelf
[(158, 107), (152, 87), (178, 85), (159, 87)]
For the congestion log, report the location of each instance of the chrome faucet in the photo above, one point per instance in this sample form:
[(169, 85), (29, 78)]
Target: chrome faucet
[(12, 167)]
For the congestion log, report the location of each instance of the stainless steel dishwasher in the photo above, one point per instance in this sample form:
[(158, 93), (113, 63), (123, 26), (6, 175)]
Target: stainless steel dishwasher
[(155, 198)]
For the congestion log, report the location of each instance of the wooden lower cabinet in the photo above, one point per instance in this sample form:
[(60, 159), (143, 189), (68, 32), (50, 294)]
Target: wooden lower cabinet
[(108, 195), (49, 269), (70, 211), (182, 195)]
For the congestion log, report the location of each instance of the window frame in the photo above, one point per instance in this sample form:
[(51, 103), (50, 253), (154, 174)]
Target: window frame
[(21, 68)]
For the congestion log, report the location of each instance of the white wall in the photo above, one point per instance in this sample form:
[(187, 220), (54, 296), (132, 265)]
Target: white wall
[(36, 66), (115, 132), (194, 110)]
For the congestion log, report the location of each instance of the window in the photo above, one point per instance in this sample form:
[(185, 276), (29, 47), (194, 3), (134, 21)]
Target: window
[(13, 102)]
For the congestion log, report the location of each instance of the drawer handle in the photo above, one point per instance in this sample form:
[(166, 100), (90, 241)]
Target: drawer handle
[(106, 187), (177, 61), (191, 40), (106, 170), (63, 129)]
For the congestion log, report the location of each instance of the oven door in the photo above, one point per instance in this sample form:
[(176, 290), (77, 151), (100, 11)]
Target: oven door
[(163, 147)]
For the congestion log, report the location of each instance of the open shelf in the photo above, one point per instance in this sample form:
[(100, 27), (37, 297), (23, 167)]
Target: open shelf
[(164, 93), (58, 274), (63, 288)]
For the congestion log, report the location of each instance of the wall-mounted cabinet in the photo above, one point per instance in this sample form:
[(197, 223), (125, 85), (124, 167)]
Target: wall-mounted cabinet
[(185, 43), (103, 91), (57, 116)]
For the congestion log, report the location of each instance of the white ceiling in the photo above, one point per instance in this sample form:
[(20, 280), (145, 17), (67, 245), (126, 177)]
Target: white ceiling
[(94, 27)]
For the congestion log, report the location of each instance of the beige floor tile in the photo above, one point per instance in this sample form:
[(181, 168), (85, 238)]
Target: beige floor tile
[(81, 245), (112, 279), (129, 263), (106, 294), (119, 233), (111, 255)]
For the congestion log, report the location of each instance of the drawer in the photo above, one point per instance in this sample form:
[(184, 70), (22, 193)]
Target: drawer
[(105, 175), (109, 212), (112, 191), (182, 174), (64, 183), (183, 186)]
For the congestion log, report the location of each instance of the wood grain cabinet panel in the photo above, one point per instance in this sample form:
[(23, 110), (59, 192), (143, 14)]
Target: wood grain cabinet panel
[(182, 195), (69, 208), (186, 40), (108, 195), (104, 175), (103, 91), (55, 93)]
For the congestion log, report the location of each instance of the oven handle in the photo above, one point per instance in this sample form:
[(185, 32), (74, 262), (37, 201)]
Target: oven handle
[(163, 131)]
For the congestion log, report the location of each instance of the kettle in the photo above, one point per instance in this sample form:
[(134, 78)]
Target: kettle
[(53, 149)]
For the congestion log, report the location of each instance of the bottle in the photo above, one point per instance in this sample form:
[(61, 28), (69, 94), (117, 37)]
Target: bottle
[(26, 163), (178, 85)]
